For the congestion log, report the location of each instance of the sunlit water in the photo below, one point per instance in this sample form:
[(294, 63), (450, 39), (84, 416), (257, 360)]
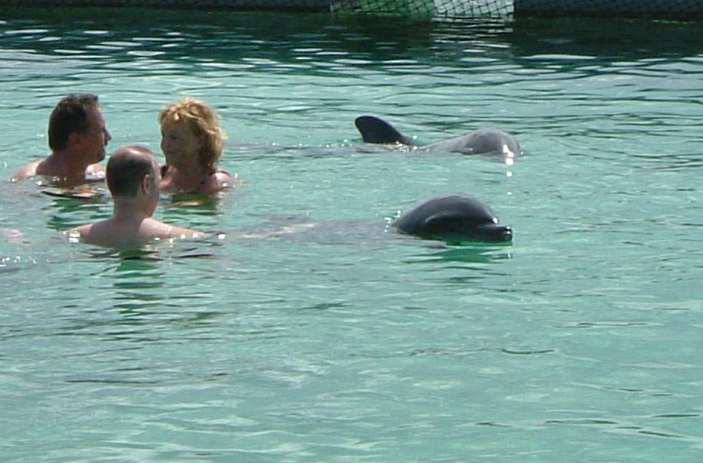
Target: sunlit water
[(311, 332)]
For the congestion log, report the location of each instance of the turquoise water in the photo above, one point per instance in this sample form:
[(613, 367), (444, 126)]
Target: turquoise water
[(343, 342)]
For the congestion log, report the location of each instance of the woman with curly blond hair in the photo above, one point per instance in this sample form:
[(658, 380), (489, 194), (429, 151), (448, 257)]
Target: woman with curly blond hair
[(192, 142)]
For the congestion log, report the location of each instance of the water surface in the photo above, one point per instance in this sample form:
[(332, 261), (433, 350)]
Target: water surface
[(345, 342)]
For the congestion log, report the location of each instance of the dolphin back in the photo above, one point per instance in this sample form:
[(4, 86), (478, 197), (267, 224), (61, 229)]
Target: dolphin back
[(376, 130), (453, 218)]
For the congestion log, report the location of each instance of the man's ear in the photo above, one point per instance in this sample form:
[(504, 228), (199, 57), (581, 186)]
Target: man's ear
[(146, 184), (73, 138)]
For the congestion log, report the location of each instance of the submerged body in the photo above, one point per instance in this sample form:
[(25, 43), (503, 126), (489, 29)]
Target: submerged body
[(454, 218), (486, 140)]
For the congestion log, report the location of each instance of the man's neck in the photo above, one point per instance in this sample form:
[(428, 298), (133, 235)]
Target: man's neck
[(128, 210), (63, 169)]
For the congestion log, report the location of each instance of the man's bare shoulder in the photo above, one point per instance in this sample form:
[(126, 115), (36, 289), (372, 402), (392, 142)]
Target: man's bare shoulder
[(83, 234), (157, 229), (111, 233), (93, 173), (29, 170)]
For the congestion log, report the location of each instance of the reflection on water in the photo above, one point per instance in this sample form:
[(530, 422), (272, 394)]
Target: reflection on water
[(473, 254), (67, 213)]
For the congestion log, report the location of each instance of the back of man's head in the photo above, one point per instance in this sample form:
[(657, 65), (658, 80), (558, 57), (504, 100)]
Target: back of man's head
[(126, 169)]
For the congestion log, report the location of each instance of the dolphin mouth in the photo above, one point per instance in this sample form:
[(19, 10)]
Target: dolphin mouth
[(482, 234), (495, 233)]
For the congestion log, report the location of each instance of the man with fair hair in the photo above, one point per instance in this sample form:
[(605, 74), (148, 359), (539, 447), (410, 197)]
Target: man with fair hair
[(133, 180), (77, 139)]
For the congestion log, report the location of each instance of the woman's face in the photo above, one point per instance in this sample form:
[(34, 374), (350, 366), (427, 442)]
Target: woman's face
[(179, 144)]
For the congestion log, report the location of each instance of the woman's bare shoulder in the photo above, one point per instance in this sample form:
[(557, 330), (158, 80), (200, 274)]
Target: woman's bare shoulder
[(95, 173)]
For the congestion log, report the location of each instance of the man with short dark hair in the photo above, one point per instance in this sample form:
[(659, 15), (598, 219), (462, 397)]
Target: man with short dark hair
[(133, 180), (77, 138)]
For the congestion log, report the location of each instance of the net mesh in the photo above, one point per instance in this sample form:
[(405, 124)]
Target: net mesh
[(468, 9), (681, 9), (433, 8)]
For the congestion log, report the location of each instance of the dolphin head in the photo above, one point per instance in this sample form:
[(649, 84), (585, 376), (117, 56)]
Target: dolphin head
[(482, 141), (492, 140), (454, 218)]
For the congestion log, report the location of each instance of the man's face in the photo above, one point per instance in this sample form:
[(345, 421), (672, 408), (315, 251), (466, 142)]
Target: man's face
[(154, 194), (96, 138)]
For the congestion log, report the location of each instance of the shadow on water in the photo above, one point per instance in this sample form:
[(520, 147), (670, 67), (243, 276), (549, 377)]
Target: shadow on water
[(233, 38), (606, 39)]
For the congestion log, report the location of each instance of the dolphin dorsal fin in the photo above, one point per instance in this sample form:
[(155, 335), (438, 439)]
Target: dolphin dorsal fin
[(376, 130)]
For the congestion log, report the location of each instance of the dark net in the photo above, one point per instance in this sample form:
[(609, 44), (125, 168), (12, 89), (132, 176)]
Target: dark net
[(682, 9), (432, 8), (469, 9)]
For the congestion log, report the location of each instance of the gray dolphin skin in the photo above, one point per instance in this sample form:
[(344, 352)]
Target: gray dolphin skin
[(454, 218), (486, 140)]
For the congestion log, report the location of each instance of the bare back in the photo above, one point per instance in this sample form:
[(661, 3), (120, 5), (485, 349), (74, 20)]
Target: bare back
[(117, 233)]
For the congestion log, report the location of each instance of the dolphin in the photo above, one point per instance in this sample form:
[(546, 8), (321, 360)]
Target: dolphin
[(485, 140), (454, 218)]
